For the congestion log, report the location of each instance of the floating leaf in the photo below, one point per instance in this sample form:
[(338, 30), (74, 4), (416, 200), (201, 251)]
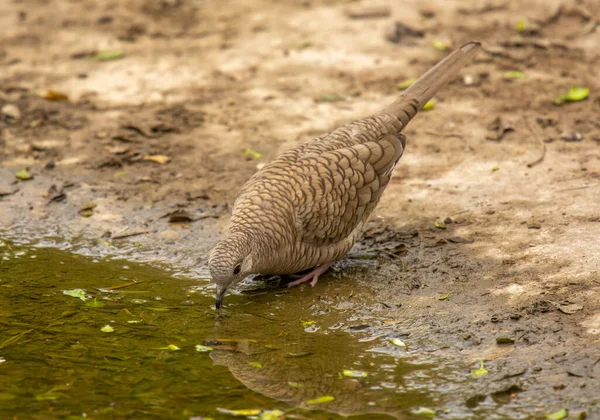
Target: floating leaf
[(76, 293), (95, 303), (444, 296), (162, 159), (108, 55), (479, 372), (509, 75), (405, 84), (272, 415), (296, 384), (442, 46), (521, 25), (257, 365), (23, 175), (574, 94), (397, 342), (429, 105), (423, 412), (171, 347), (242, 412), (47, 397), (203, 349), (107, 329), (250, 154), (307, 323), (134, 321), (53, 95), (321, 400), (495, 168), (558, 415), (440, 225), (354, 373)]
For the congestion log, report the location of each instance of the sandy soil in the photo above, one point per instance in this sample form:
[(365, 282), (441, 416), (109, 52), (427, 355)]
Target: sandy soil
[(199, 83)]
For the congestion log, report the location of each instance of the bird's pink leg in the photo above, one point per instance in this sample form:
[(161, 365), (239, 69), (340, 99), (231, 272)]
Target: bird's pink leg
[(313, 276)]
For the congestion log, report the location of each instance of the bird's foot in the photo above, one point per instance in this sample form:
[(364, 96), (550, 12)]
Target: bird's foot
[(313, 276)]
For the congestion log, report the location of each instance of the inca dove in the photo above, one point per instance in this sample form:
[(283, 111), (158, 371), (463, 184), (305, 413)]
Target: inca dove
[(307, 207)]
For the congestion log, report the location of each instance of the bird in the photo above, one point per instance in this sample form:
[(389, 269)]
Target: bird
[(306, 208)]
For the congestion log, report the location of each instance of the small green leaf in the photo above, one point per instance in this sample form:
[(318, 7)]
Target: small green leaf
[(423, 412), (257, 365), (354, 373), (87, 210), (397, 342), (442, 46), (107, 329), (521, 25), (307, 323), (429, 105), (559, 415), (48, 396), (330, 97), (250, 154), (171, 347), (23, 175), (405, 84), (509, 75), (479, 372), (76, 293), (203, 349), (243, 412), (303, 45), (321, 400), (495, 168), (444, 296), (440, 225), (95, 303), (574, 94), (108, 55), (272, 415)]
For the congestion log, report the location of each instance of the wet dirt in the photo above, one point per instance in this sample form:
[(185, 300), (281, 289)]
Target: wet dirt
[(198, 83)]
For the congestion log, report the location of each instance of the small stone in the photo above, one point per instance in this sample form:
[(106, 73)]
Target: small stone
[(170, 235), (11, 111), (571, 137)]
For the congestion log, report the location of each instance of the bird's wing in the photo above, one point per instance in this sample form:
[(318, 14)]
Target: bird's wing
[(341, 187)]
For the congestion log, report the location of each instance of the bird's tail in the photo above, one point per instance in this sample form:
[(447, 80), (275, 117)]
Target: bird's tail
[(420, 92)]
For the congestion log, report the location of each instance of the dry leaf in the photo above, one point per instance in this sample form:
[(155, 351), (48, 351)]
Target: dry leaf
[(162, 159), (53, 95)]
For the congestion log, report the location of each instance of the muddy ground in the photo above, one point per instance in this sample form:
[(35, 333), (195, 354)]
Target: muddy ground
[(513, 177)]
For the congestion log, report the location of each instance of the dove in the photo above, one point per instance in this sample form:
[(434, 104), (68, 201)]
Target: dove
[(306, 209)]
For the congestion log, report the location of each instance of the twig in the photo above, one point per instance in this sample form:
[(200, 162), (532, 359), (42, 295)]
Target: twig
[(118, 286), (541, 158)]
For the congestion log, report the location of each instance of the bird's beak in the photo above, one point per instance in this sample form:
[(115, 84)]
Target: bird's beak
[(220, 295)]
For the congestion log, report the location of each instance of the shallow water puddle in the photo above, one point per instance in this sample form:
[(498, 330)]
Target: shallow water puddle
[(138, 342)]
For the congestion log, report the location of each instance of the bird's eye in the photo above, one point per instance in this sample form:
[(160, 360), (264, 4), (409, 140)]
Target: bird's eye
[(237, 269)]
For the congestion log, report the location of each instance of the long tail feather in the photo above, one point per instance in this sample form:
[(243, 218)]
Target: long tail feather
[(420, 92)]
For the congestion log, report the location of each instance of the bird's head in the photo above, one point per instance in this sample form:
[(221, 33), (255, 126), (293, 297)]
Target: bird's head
[(229, 262)]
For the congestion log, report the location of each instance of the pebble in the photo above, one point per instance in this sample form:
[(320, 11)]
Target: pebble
[(170, 235), (11, 111)]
